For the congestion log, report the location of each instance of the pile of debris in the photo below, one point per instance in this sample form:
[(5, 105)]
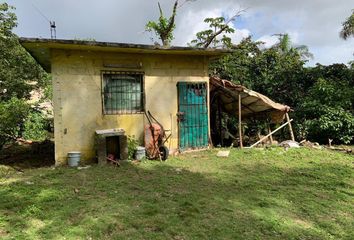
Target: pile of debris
[(308, 144)]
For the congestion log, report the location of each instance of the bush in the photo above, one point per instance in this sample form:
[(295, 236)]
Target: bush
[(13, 113), (132, 145), (35, 126), (327, 110), (334, 123)]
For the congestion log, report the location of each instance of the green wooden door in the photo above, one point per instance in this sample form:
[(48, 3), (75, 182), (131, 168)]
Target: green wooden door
[(192, 115)]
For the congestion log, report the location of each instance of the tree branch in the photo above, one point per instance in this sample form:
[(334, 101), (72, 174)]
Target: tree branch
[(212, 37), (185, 1), (172, 19), (161, 13)]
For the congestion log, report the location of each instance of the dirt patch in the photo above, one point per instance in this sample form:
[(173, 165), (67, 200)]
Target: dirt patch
[(3, 233), (303, 223)]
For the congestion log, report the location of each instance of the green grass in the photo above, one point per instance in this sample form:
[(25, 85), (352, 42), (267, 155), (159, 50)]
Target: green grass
[(253, 194)]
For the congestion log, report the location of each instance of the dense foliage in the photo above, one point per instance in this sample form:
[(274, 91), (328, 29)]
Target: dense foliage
[(327, 108), (208, 37), (20, 75), (322, 97), (12, 115), (35, 126)]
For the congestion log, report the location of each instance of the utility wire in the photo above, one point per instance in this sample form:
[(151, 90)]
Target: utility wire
[(39, 11), (53, 32)]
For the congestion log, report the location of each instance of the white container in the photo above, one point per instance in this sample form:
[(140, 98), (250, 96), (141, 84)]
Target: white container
[(140, 153), (74, 159)]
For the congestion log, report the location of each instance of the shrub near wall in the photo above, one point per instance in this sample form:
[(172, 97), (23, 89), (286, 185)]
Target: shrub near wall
[(12, 116), (35, 126)]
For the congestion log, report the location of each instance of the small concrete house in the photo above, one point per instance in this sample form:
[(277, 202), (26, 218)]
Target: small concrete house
[(102, 85)]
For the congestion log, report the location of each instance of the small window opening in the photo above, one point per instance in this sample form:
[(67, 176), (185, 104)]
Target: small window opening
[(123, 92)]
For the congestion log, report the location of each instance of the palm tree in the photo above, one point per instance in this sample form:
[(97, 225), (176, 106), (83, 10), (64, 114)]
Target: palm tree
[(285, 46), (348, 27)]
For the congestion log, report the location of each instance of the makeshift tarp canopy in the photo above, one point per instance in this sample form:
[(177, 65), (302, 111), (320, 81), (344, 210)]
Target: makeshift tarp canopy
[(253, 104), (237, 100)]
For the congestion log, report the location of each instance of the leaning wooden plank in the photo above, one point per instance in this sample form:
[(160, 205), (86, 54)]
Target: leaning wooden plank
[(239, 120), (269, 131), (290, 128), (260, 140)]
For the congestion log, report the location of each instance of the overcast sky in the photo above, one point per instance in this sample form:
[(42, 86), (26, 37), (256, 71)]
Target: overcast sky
[(315, 23)]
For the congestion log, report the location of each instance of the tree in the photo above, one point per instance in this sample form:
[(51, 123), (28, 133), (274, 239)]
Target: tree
[(164, 27), (239, 65), (19, 76), (7, 20), (217, 26), (348, 27), (285, 46), (19, 72), (208, 37), (273, 72), (326, 110)]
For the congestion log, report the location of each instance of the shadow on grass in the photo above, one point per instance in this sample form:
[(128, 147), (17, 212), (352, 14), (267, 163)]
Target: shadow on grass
[(158, 201), (28, 155)]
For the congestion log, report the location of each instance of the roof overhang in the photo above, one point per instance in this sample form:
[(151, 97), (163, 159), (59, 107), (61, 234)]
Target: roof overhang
[(253, 104), (40, 48)]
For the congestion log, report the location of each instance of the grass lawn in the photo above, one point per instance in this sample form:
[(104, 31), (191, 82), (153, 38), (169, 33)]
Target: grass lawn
[(253, 194)]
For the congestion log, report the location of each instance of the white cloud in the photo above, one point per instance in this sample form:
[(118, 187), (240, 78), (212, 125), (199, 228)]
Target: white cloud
[(333, 54), (268, 40), (239, 34), (191, 23), (314, 23)]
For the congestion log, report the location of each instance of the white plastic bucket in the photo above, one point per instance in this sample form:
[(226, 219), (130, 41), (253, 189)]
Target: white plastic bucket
[(139, 153), (74, 159)]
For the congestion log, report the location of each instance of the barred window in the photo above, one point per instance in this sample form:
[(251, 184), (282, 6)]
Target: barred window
[(122, 92)]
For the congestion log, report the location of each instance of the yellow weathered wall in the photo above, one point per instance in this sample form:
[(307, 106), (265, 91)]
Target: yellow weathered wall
[(78, 103)]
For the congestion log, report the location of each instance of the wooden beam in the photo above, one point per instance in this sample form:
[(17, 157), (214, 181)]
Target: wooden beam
[(220, 122), (239, 120), (236, 97), (271, 133), (290, 127)]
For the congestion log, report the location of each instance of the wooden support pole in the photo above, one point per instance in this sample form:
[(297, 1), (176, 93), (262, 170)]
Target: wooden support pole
[(290, 127), (271, 136), (220, 122), (239, 120), (276, 130)]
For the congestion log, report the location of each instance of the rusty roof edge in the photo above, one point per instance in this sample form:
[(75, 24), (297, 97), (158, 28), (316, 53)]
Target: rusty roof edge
[(221, 82), (25, 40)]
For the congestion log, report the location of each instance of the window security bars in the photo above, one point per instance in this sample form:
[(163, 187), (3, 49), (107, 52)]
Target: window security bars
[(122, 92)]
